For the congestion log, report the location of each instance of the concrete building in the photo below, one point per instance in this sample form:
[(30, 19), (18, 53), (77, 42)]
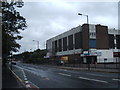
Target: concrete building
[(85, 44)]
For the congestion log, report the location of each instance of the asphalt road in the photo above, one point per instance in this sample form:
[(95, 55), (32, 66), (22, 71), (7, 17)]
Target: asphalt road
[(43, 76)]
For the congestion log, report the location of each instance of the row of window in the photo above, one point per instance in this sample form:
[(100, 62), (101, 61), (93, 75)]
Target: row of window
[(93, 34), (66, 43)]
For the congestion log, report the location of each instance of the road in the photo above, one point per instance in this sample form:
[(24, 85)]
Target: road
[(42, 76)]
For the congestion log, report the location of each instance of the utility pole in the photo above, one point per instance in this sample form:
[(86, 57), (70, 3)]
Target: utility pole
[(37, 43)]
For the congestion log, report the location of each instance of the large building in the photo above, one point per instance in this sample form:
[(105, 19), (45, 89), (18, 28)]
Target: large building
[(85, 44)]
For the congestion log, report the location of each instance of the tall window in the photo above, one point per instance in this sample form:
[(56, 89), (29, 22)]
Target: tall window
[(56, 49), (118, 41), (111, 41), (65, 44), (60, 45), (70, 42), (78, 40)]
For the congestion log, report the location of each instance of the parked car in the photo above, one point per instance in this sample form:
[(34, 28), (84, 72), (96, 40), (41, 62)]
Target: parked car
[(13, 62), (60, 62)]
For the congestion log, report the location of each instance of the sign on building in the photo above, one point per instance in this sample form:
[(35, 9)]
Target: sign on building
[(99, 53), (116, 54)]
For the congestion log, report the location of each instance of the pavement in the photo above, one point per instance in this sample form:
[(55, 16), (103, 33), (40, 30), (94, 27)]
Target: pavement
[(10, 81)]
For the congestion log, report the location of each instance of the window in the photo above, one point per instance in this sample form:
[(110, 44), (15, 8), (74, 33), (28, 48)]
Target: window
[(78, 40), (92, 43), (118, 41), (60, 45), (56, 46), (65, 44), (70, 42), (111, 41)]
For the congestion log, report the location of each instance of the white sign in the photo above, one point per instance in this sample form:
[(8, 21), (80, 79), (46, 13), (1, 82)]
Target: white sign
[(99, 53), (85, 52)]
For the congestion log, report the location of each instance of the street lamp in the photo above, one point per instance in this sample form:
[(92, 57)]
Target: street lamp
[(88, 41), (84, 15), (37, 43)]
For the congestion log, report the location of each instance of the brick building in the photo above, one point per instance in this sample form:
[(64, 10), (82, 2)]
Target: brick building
[(86, 43)]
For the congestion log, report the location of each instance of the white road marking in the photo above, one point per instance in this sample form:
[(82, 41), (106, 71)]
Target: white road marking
[(28, 86), (64, 74), (30, 70), (26, 82), (65, 70), (115, 79), (95, 74), (25, 78), (47, 78), (93, 79), (18, 67), (34, 84)]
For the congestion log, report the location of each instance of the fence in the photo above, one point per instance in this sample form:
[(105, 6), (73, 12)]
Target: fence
[(100, 65)]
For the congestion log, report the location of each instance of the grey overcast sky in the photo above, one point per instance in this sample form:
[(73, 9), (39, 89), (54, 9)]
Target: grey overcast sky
[(48, 19)]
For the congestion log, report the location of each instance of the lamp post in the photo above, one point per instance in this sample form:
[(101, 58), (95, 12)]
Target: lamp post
[(88, 38), (84, 15), (37, 43)]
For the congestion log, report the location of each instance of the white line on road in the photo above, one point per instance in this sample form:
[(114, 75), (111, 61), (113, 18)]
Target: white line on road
[(34, 84), (95, 75), (28, 86), (65, 70), (92, 79), (18, 67), (64, 74), (115, 79), (25, 78), (26, 82)]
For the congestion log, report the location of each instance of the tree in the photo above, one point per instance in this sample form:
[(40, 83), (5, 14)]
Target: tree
[(12, 24), (36, 56)]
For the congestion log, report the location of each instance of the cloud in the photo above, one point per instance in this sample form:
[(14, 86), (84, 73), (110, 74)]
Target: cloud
[(48, 19)]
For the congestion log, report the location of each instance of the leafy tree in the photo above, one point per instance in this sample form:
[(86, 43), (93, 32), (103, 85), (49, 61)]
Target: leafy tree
[(36, 56), (39, 53), (12, 24)]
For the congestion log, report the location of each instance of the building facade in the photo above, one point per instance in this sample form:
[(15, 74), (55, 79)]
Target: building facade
[(85, 44)]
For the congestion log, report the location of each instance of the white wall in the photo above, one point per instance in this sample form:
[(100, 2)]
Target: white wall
[(106, 54)]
